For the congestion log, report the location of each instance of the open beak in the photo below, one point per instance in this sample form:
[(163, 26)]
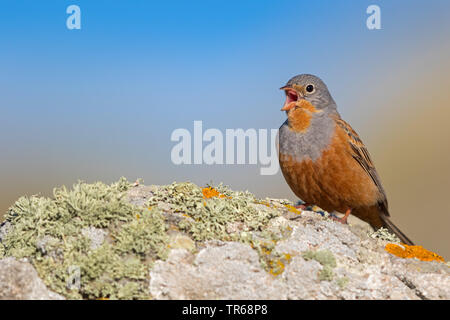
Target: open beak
[(291, 96)]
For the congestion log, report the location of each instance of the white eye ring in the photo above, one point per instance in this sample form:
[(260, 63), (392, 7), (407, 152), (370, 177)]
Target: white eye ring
[(310, 88)]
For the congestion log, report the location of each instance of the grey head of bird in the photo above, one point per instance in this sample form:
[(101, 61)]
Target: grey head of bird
[(309, 88)]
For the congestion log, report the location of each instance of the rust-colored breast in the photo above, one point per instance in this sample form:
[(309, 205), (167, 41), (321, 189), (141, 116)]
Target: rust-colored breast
[(335, 181), (300, 118)]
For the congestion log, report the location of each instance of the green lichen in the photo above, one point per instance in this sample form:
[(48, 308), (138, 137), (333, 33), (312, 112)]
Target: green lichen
[(144, 234), (209, 217), (49, 233), (113, 244), (326, 274), (342, 282), (326, 259), (384, 234)]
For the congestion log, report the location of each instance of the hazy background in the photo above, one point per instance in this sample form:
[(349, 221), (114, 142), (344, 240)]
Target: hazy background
[(101, 102)]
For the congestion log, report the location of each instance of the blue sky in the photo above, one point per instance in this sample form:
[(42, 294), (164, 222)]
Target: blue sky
[(101, 102)]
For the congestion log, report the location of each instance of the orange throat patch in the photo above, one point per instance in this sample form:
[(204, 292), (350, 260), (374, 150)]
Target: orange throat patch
[(300, 118)]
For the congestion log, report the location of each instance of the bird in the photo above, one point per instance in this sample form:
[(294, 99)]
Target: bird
[(325, 162)]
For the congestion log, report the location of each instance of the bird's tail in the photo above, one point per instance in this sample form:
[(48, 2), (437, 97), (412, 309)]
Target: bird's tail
[(378, 216), (387, 223), (393, 228)]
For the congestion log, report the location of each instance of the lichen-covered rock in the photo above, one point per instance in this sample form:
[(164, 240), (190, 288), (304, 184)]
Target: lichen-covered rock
[(91, 232), (181, 241), (20, 281)]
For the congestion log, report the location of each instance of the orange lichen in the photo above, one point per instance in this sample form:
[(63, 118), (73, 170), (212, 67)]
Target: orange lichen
[(406, 251), (264, 203), (210, 192), (277, 267), (292, 209), (266, 251)]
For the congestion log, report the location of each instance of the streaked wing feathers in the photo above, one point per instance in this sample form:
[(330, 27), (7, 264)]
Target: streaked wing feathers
[(362, 156)]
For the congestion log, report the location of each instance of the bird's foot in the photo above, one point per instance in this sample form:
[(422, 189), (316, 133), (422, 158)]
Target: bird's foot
[(343, 220)]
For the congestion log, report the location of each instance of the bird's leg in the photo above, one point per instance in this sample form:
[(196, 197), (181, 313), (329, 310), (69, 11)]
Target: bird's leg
[(343, 220)]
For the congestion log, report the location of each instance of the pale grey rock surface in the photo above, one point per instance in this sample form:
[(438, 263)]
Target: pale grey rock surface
[(4, 229), (220, 271), (97, 236), (19, 281), (364, 270)]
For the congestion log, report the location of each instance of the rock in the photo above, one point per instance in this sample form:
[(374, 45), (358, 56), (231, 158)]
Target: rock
[(139, 194), (314, 232), (180, 241), (97, 236), (228, 271), (19, 281), (255, 249), (4, 228), (361, 268), (49, 246)]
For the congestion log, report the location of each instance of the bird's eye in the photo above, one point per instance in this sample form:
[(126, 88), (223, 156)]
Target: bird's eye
[(310, 88)]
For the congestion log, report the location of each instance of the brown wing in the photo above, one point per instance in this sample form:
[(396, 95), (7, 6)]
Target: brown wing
[(362, 156)]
